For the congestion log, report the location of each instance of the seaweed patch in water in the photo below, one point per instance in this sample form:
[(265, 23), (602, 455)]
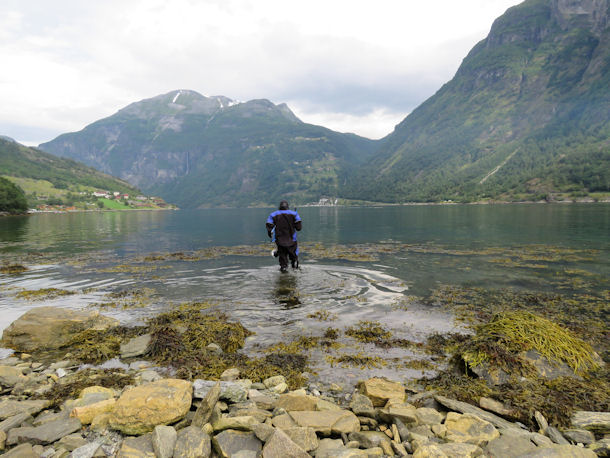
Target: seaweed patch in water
[(323, 315), (359, 360), (368, 332), (43, 294), (12, 269)]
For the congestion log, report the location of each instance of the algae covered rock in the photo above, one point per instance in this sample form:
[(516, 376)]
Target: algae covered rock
[(140, 409), (47, 328)]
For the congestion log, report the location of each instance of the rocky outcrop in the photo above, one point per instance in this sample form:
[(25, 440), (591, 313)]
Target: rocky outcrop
[(47, 328)]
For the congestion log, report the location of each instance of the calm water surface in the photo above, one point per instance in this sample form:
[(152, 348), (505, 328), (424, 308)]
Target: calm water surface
[(417, 248)]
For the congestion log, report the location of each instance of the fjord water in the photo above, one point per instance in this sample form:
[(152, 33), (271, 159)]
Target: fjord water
[(410, 251)]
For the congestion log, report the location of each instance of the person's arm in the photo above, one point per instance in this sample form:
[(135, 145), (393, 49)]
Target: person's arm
[(297, 222), (270, 225)]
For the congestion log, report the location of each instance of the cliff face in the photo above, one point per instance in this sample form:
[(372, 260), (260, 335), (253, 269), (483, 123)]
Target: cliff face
[(199, 151), (532, 99)]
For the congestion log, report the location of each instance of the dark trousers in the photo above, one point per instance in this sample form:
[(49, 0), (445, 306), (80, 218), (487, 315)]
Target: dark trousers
[(285, 252)]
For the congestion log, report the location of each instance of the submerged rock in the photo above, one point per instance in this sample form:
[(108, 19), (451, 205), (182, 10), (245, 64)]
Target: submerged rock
[(47, 328)]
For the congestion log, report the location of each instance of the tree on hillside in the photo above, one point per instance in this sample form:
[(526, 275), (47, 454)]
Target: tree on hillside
[(12, 197)]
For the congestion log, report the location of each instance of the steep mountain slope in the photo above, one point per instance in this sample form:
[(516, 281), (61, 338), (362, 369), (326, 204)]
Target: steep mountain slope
[(203, 151), (21, 161), (526, 115)]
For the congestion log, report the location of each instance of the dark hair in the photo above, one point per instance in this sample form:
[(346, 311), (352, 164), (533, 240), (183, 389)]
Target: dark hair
[(284, 205)]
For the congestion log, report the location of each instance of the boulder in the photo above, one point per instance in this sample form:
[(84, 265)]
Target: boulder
[(469, 428), (87, 413), (205, 409), (380, 391), (47, 328), (10, 407), (598, 422), (369, 439), (428, 416), (21, 451), (11, 376), (137, 447), (576, 436), (140, 409), (327, 422), (229, 391), (292, 402), (510, 445), (464, 407), (164, 440), (44, 434), (228, 443), (448, 451), (15, 421), (304, 437), (281, 446), (192, 442), (361, 405), (137, 346)]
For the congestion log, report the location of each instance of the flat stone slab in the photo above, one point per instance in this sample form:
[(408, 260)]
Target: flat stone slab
[(280, 446), (327, 422), (193, 442), (44, 434), (464, 407), (229, 442), (561, 451), (14, 422), (9, 407), (598, 422), (450, 450), (137, 447)]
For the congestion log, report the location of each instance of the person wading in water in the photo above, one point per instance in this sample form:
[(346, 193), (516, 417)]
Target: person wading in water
[(286, 223)]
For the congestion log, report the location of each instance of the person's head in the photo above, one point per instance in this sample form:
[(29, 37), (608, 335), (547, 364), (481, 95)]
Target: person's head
[(284, 205)]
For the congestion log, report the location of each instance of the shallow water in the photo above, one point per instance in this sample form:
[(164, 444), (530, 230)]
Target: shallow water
[(358, 264)]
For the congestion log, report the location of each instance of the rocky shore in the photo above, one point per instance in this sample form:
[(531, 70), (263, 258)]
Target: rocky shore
[(61, 408)]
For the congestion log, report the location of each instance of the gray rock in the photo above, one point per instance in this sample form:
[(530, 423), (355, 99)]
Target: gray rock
[(87, 450), (229, 442), (464, 407), (540, 440), (369, 439), (205, 409), (304, 437), (192, 442), (274, 381), (361, 405), (11, 376), (601, 447), (135, 347), (263, 431), (48, 416), (15, 421), (509, 445), (230, 391), (593, 421), (554, 434), (560, 451), (71, 442), (150, 376), (10, 361), (427, 416), (403, 431), (21, 451), (495, 406), (329, 448), (164, 440), (281, 446), (44, 434), (9, 407), (140, 446), (214, 348), (579, 436), (263, 401)]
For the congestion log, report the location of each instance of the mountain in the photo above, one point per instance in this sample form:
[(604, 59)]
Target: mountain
[(18, 162), (199, 151), (526, 116)]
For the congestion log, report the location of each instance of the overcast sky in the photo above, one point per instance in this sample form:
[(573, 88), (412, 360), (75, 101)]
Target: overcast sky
[(350, 65)]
